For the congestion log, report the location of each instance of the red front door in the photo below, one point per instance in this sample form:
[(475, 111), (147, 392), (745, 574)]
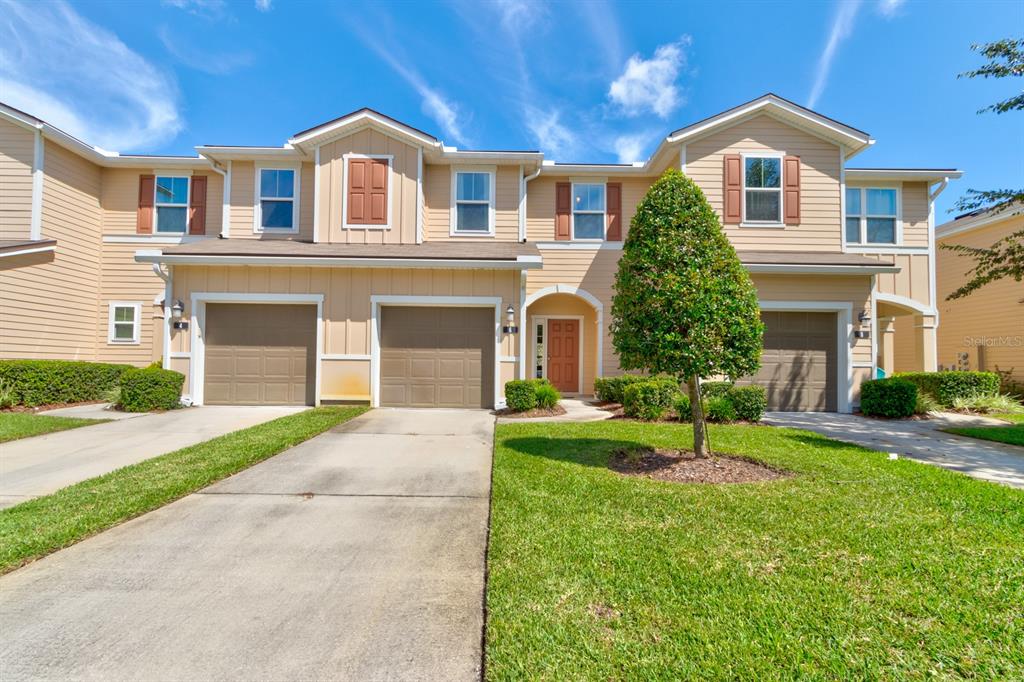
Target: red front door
[(564, 355)]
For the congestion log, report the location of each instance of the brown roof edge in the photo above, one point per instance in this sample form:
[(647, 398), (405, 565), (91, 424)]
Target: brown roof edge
[(7, 245)]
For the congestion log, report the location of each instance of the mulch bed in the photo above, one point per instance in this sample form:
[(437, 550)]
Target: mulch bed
[(680, 466), (50, 406), (555, 411)]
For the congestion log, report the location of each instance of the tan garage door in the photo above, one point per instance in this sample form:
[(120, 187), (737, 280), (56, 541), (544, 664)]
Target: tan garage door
[(260, 354), (437, 357), (799, 363)]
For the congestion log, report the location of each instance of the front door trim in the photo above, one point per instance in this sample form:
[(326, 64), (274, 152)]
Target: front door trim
[(199, 299), (543, 319), (432, 302)]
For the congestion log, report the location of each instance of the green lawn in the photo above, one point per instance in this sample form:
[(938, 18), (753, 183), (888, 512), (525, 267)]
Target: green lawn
[(858, 567), (15, 425), (1014, 435), (1016, 418), (35, 528)]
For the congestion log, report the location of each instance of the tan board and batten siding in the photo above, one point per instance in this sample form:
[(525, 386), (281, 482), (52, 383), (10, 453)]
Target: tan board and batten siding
[(17, 154), (437, 196)]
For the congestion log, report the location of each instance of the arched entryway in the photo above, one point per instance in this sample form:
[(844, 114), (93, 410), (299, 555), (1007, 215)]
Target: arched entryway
[(906, 335), (563, 339)]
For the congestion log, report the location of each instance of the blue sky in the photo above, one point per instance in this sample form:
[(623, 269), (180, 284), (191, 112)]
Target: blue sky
[(582, 81)]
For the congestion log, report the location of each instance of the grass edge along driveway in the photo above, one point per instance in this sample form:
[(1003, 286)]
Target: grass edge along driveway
[(1010, 435), (43, 525), (17, 425), (857, 567)]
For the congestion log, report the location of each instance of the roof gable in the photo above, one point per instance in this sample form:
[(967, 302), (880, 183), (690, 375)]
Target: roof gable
[(365, 117)]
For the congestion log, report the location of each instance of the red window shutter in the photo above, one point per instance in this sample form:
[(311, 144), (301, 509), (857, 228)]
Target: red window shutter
[(613, 198), (791, 185), (197, 206), (732, 190), (378, 192), (563, 210), (367, 192), (147, 195)]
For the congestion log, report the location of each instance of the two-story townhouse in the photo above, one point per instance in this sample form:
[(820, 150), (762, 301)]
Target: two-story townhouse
[(364, 260)]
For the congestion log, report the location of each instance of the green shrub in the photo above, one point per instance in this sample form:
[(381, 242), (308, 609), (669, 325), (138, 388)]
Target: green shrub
[(926, 403), (720, 409), (44, 382), (714, 389), (6, 395), (649, 399), (611, 389), (682, 408), (948, 386), (892, 397), (546, 394), (989, 403), (520, 395), (148, 389), (750, 402)]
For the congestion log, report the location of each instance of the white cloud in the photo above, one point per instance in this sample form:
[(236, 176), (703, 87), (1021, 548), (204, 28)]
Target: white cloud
[(191, 54), (208, 9), (551, 136), (889, 8), (630, 148), (520, 15), (264, 5), (80, 77), (650, 84), (842, 27)]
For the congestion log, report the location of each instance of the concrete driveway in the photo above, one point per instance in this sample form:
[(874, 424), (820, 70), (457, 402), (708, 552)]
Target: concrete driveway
[(357, 555), (43, 464), (919, 440)]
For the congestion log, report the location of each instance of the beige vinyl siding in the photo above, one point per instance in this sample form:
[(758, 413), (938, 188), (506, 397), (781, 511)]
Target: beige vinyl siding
[(540, 204), (122, 279), (988, 324), (402, 193), (119, 197), (438, 204), (905, 355), (48, 308), (912, 281), (820, 210), (17, 153), (913, 209), (243, 202)]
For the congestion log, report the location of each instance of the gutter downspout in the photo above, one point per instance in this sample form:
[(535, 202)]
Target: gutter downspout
[(932, 288), (522, 202), (158, 269)]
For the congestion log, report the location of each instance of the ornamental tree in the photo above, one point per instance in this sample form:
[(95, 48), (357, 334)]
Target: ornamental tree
[(684, 305)]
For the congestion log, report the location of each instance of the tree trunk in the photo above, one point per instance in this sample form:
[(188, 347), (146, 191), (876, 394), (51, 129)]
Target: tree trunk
[(697, 410)]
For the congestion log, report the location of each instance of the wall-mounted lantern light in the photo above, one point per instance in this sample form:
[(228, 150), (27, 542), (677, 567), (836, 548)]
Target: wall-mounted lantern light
[(510, 316), (177, 310), (865, 326)]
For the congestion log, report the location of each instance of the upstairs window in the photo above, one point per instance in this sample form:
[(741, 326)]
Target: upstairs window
[(275, 209), (474, 202), (123, 322), (871, 215), (588, 211), (171, 203), (762, 189)]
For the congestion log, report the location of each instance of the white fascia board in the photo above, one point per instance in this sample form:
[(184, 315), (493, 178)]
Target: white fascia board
[(601, 170), (905, 174), (363, 117), (521, 263), (964, 224), (771, 268), (451, 154), (28, 250), (253, 153)]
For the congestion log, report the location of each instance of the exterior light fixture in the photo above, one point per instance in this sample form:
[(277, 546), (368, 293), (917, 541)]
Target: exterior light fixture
[(177, 310), (510, 316), (865, 326)]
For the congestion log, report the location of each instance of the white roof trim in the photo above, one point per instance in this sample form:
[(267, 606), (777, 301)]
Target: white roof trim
[(933, 174), (521, 262), (27, 250), (960, 225), (363, 117)]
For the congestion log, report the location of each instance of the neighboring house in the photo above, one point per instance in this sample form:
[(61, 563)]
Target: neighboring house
[(984, 330), (365, 260)]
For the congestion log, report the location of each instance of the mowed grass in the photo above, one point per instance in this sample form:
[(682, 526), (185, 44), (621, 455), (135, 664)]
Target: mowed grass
[(38, 527), (15, 425), (1016, 418), (1013, 435), (857, 567)]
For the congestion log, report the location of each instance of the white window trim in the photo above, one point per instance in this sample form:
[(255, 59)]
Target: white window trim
[(863, 216), (781, 222), (344, 191), (136, 326), (156, 204), (603, 213), (257, 212), (492, 173)]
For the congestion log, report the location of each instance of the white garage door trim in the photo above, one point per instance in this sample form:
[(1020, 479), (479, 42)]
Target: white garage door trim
[(197, 365), (432, 302), (844, 337)]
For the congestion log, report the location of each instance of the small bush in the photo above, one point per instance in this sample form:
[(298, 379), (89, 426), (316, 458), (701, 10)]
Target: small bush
[(611, 389), (520, 395), (682, 408), (649, 399), (714, 389), (547, 395), (948, 386), (148, 389), (750, 402), (989, 403), (926, 403), (45, 382), (6, 395), (720, 409), (892, 397)]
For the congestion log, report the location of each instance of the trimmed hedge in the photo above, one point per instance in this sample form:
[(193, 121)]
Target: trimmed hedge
[(611, 389), (44, 382), (750, 402), (714, 389), (720, 409), (894, 397), (649, 399), (948, 386), (152, 388), (522, 395)]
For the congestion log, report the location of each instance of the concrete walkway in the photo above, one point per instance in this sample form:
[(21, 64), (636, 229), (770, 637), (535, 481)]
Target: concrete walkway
[(357, 555), (43, 464), (919, 440), (576, 410)]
